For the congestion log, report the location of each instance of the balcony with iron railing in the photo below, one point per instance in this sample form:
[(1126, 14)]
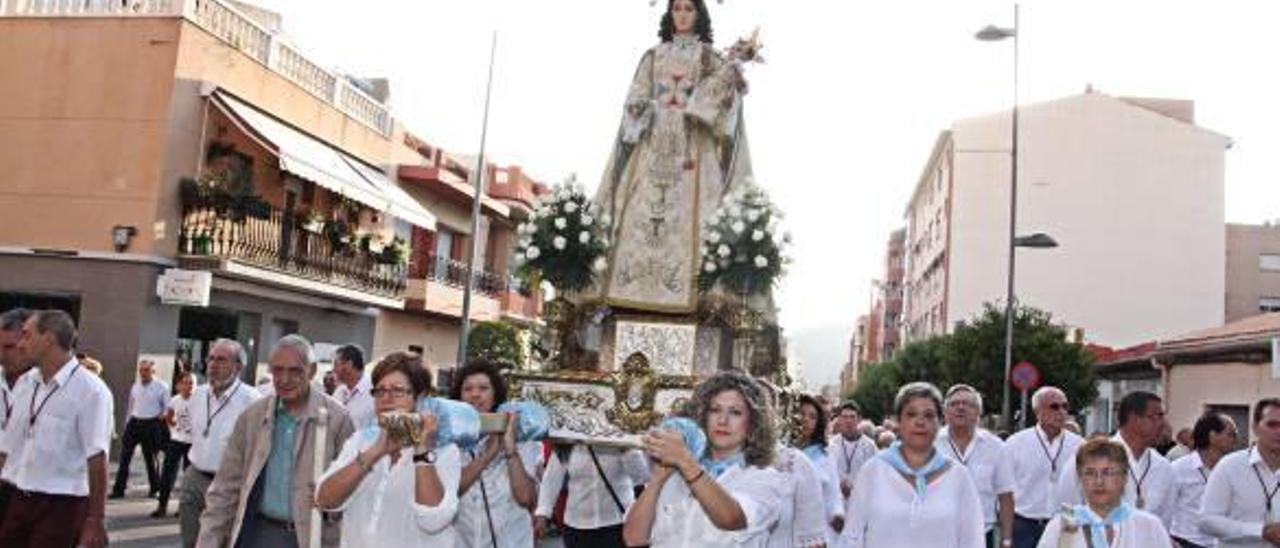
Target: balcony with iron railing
[(238, 30), (273, 240), (454, 273)]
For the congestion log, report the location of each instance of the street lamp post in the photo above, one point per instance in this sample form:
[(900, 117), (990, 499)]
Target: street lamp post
[(992, 33)]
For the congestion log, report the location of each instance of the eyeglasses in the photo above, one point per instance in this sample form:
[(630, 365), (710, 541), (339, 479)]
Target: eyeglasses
[(1059, 406), (1105, 474), (393, 391)]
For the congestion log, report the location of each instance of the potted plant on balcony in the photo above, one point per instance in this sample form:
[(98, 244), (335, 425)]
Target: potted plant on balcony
[(394, 253), (338, 233), (311, 222)]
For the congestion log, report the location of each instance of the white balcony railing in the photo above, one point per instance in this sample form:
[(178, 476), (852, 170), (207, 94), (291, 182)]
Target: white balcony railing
[(228, 24)]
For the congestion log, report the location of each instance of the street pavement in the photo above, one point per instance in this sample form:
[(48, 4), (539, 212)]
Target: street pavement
[(130, 525)]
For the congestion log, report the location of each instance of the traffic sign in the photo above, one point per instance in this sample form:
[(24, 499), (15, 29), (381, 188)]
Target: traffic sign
[(1025, 376)]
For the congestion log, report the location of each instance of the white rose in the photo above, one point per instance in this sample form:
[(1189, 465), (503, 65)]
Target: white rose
[(533, 252), (559, 242), (561, 223), (753, 214), (714, 237), (761, 261), (757, 235), (734, 210), (723, 250), (524, 242), (584, 237), (600, 264), (709, 267), (607, 220), (738, 227), (587, 220), (570, 207)]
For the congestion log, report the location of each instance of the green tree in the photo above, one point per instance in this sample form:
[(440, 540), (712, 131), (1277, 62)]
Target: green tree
[(974, 354), (496, 341)]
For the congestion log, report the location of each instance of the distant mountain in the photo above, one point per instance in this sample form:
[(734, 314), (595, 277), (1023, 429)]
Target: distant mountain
[(822, 351)]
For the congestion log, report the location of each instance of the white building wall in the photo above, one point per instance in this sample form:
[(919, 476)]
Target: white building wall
[(1134, 199)]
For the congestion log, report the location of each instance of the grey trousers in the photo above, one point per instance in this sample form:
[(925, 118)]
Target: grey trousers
[(191, 504)]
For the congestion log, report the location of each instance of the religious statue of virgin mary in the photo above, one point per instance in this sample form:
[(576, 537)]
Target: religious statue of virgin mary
[(680, 149)]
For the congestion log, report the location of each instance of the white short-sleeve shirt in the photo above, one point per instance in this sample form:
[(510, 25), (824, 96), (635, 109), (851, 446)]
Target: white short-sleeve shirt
[(589, 504), (1038, 465), (212, 420), (988, 465), (680, 521), (148, 401), (889, 512), (55, 428), (382, 511), (180, 430)]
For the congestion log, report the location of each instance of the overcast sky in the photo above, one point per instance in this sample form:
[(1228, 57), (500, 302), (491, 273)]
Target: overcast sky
[(842, 115)]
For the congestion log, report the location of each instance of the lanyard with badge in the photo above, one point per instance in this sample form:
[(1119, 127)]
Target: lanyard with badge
[(34, 411), (1268, 495), (1053, 459), (208, 404), (1137, 482)]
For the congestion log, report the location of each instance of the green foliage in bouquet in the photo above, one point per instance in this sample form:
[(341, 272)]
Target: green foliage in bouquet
[(563, 241), (743, 247)]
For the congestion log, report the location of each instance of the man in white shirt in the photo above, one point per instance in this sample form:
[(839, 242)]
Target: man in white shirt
[(148, 400), (1241, 505), (849, 448), (14, 365), (354, 385), (214, 408), (1039, 456), (601, 486), (54, 451), (1150, 485), (1213, 436), (984, 455)]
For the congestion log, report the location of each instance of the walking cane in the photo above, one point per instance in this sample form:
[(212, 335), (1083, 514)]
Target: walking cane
[(317, 518)]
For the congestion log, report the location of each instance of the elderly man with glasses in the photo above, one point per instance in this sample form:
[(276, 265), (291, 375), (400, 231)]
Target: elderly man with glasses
[(983, 453), (263, 493), (1040, 456)]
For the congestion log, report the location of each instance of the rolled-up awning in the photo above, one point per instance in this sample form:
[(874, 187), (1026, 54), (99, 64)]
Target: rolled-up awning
[(318, 162)]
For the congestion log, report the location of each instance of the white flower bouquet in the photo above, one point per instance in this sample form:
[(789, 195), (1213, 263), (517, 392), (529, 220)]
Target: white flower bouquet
[(743, 247), (562, 242)]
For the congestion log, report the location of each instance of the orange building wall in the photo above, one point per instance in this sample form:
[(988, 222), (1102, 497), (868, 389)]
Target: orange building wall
[(82, 121)]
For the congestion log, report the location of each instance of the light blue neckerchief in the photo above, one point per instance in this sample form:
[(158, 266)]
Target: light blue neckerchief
[(717, 467), (814, 451), (893, 456), (1097, 528)]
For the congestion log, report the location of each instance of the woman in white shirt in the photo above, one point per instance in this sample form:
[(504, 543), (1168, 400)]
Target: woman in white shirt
[(910, 494), (811, 438), (178, 417), (727, 497), (498, 489), (1104, 520), (600, 483), (392, 493)]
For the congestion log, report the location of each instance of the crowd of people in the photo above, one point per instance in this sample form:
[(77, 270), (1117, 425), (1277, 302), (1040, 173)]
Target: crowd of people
[(929, 475)]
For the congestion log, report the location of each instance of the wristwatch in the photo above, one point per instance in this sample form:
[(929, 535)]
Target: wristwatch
[(428, 458)]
